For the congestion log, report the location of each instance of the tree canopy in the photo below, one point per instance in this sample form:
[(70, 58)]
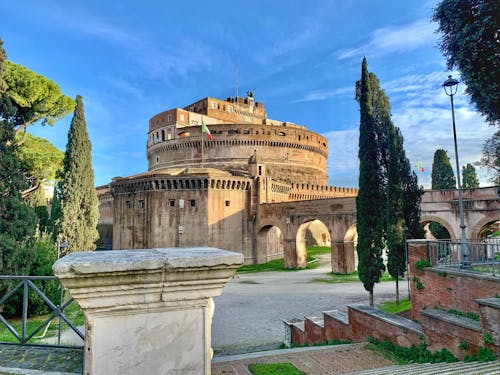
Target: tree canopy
[(469, 41), (35, 97), (41, 158)]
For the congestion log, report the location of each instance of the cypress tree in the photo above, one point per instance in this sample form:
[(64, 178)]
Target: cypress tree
[(411, 191), (396, 264), (469, 177), (443, 178), (442, 173), (369, 200), (78, 198)]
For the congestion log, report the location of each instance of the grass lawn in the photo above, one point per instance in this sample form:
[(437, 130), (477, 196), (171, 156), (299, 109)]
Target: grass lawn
[(72, 312), (334, 278), (278, 265), (274, 369), (393, 308)]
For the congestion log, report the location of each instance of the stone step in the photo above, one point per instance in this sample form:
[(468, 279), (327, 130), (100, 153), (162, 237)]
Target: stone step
[(337, 315), (314, 332), (462, 368), (317, 320)]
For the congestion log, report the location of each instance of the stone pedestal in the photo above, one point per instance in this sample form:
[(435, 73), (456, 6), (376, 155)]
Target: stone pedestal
[(147, 311)]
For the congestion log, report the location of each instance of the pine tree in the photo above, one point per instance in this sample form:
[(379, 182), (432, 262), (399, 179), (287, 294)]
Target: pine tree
[(78, 198), (469, 177), (442, 179), (369, 200)]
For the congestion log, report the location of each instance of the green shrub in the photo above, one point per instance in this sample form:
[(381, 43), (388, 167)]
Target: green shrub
[(34, 259), (413, 354), (483, 355), (464, 345), (418, 283), (422, 263), (488, 338)]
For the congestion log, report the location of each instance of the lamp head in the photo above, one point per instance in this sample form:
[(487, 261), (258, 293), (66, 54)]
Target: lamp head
[(450, 86)]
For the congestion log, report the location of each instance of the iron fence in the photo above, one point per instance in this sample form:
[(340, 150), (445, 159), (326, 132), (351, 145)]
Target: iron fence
[(479, 256), (27, 283)]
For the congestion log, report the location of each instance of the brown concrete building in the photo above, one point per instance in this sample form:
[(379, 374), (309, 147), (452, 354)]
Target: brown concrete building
[(209, 192)]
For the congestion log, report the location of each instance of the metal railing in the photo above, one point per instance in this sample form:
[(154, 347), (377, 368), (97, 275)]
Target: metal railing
[(479, 256), (57, 312)]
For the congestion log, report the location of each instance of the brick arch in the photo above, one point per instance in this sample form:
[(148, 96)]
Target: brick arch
[(454, 234), (478, 227)]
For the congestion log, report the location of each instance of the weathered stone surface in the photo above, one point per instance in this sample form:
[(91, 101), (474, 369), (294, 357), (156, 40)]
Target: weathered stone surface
[(147, 311)]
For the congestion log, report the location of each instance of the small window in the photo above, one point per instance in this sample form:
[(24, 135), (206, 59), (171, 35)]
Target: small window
[(157, 161), (228, 203), (230, 108), (141, 204), (214, 105), (260, 170), (169, 117), (192, 202), (128, 204), (171, 202)]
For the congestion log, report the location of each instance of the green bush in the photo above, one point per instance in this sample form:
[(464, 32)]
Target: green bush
[(413, 354), (422, 263), (34, 259)]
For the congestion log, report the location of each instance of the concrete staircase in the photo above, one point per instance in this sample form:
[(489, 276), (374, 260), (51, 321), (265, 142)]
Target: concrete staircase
[(462, 368)]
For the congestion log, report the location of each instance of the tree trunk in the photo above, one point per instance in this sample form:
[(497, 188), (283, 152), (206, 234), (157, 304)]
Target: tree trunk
[(397, 291), (371, 298)]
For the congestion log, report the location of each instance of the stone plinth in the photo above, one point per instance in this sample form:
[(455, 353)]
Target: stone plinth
[(147, 311)]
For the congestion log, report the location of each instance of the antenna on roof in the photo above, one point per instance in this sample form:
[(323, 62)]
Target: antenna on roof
[(236, 68)]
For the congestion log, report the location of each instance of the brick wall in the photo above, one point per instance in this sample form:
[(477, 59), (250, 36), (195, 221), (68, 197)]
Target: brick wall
[(447, 289)]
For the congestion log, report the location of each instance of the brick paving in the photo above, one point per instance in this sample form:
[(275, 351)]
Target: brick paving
[(313, 361)]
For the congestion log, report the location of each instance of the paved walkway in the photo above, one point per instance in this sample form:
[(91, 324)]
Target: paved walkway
[(327, 360), (16, 359)]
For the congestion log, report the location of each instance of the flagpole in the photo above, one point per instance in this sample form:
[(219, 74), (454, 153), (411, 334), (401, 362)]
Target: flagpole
[(202, 141)]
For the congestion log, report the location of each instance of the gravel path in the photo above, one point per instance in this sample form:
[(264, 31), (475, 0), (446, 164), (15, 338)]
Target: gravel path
[(249, 313)]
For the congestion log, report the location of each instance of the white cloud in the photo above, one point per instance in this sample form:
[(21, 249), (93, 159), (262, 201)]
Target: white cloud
[(389, 39), (421, 110), (325, 94)]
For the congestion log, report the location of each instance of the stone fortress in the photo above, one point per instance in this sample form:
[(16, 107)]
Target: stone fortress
[(202, 192)]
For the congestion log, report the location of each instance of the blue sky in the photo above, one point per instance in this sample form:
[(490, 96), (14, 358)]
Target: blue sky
[(132, 59)]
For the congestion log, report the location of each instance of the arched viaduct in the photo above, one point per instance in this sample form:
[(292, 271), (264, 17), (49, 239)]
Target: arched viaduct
[(481, 209)]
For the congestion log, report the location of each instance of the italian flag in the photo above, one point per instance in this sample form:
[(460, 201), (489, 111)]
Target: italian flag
[(204, 129)]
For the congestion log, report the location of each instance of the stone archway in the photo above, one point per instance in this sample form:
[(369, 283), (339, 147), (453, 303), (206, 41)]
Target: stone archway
[(480, 230), (424, 220), (269, 244), (318, 230)]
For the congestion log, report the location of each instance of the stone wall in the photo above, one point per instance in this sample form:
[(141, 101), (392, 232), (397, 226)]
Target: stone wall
[(290, 154)]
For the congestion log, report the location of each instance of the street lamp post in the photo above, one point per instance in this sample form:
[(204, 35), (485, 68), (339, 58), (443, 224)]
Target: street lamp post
[(450, 87)]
